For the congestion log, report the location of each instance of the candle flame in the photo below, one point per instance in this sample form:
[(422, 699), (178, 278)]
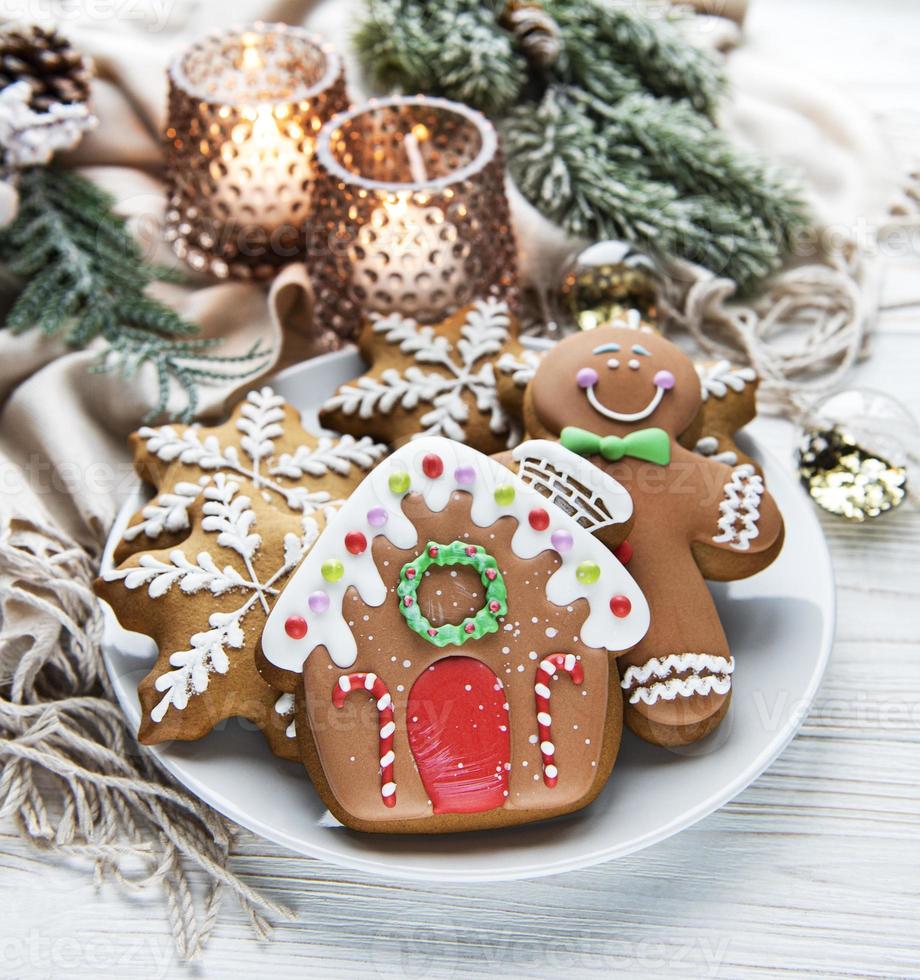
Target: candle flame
[(251, 59)]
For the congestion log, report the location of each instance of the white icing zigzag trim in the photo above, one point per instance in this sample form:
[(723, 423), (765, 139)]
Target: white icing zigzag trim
[(668, 687), (740, 507), (716, 379)]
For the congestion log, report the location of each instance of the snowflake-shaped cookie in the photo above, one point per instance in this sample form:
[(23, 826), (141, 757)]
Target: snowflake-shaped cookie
[(432, 380), (245, 490), (263, 443), (204, 601)]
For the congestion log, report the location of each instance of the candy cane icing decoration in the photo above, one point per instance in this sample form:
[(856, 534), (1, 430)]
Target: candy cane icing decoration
[(545, 673), (377, 690)]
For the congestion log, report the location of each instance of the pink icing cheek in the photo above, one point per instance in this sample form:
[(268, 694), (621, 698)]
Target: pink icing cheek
[(664, 379), (586, 378)]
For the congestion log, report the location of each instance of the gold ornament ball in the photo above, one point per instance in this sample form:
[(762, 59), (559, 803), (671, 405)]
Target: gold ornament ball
[(605, 282), (855, 454)]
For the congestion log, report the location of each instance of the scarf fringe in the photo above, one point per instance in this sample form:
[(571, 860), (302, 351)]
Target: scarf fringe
[(72, 776)]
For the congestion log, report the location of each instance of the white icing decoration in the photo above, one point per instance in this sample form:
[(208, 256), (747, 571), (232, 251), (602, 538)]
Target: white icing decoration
[(667, 687), (611, 413), (600, 630), (717, 379), (574, 483), (260, 421), (741, 503), (484, 334), (284, 706), (229, 517), (708, 446), (167, 512), (522, 367)]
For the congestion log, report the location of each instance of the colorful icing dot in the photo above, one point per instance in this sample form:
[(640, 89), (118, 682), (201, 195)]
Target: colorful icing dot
[(377, 516), (664, 379), (407, 601), (504, 495), (433, 551), (471, 550), (494, 606), (410, 573), (465, 476), (469, 628), (491, 574), (432, 466), (332, 569), (562, 541), (318, 601), (588, 572), (355, 543), (624, 553), (432, 631), (586, 378), (295, 627), (620, 606), (539, 519), (399, 482)]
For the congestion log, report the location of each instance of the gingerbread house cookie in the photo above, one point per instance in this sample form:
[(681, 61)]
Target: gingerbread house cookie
[(449, 639)]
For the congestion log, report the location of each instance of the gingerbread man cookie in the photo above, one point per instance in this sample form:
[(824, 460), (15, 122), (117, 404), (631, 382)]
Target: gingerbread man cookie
[(624, 399), (432, 380), (449, 640)]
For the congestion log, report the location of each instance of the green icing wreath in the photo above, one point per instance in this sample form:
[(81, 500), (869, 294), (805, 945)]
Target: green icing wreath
[(472, 628)]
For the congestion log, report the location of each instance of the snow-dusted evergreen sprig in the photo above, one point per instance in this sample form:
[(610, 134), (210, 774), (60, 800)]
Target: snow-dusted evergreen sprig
[(629, 152), (485, 331), (84, 279), (29, 138)]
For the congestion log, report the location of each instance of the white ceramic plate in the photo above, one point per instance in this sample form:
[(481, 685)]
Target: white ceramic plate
[(780, 627)]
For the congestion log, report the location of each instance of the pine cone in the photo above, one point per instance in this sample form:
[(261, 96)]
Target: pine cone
[(56, 71), (536, 30)]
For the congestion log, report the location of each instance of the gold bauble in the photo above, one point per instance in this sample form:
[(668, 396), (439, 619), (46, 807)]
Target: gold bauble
[(605, 282), (855, 452)]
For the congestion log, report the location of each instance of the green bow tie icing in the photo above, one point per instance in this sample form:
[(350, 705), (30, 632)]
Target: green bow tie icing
[(650, 445)]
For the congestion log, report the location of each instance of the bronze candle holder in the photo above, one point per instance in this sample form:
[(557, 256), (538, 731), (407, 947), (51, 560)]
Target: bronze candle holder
[(245, 106), (410, 214)]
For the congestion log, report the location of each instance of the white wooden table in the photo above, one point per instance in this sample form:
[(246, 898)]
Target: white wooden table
[(816, 867)]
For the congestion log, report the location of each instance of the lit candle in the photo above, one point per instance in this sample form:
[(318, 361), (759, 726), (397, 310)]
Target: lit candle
[(403, 258), (244, 110), (412, 209)]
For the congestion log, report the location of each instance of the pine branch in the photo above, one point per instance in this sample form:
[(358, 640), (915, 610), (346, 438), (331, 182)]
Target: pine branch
[(568, 168), (682, 147), (85, 279), (453, 49), (598, 37)]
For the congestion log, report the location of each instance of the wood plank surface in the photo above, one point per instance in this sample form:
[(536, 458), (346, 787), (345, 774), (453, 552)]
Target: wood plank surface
[(815, 868)]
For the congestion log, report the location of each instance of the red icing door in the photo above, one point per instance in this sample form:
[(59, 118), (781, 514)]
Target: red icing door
[(459, 734)]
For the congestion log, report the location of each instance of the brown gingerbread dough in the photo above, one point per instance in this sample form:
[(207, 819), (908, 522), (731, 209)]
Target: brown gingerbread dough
[(696, 518)]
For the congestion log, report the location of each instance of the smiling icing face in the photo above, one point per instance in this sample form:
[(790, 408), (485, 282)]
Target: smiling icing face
[(613, 381)]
